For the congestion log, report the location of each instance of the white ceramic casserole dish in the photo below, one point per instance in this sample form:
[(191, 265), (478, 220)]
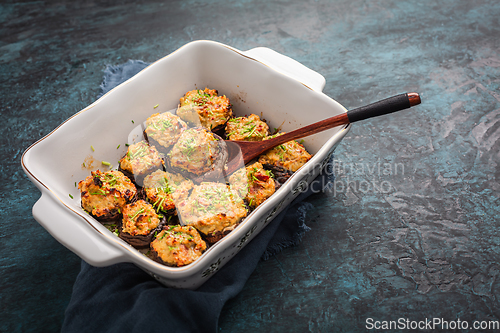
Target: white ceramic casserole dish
[(259, 81)]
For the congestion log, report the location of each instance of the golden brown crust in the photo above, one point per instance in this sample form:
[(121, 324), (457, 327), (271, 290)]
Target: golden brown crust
[(163, 189), (254, 184), (104, 194), (177, 246), (158, 192), (140, 159), (249, 128), (180, 186), (139, 218), (212, 110), (211, 207), (291, 155), (260, 185), (196, 151), (164, 129)]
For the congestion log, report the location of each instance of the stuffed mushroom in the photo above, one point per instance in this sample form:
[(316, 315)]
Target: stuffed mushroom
[(139, 222), (290, 155), (249, 128), (212, 208), (261, 185), (177, 246), (197, 152), (140, 160), (205, 107), (163, 130), (104, 194), (163, 189)]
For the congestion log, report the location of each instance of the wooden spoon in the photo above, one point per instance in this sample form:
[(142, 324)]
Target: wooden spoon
[(245, 151)]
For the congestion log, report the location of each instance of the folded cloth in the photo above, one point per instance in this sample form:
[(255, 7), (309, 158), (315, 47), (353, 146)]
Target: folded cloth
[(123, 298)]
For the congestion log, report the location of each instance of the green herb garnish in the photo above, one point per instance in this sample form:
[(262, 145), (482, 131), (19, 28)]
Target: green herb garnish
[(136, 214)]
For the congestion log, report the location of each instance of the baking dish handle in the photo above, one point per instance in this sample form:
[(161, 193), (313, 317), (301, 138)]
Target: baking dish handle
[(288, 66), (78, 237)]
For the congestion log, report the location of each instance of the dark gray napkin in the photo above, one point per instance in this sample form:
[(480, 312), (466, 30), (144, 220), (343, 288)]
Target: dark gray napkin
[(123, 298)]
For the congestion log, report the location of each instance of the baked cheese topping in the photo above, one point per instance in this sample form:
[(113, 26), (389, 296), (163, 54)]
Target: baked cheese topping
[(179, 186), (141, 158), (196, 151), (106, 193), (260, 184), (163, 189), (253, 183), (238, 183), (165, 128), (139, 218), (212, 110), (158, 191), (211, 207), (178, 246), (249, 128), (291, 155)]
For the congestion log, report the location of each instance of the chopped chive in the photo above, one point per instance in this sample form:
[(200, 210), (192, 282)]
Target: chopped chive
[(133, 122), (157, 105), (118, 146), (75, 184), (83, 164), (71, 196), (92, 147), (127, 144), (106, 163), (136, 214)]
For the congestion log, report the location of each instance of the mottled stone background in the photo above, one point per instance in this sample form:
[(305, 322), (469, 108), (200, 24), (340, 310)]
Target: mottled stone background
[(410, 229)]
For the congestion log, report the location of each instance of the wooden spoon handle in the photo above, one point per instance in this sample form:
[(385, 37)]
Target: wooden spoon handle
[(385, 106)]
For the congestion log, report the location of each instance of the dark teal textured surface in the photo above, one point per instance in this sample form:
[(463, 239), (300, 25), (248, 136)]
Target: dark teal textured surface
[(416, 238)]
